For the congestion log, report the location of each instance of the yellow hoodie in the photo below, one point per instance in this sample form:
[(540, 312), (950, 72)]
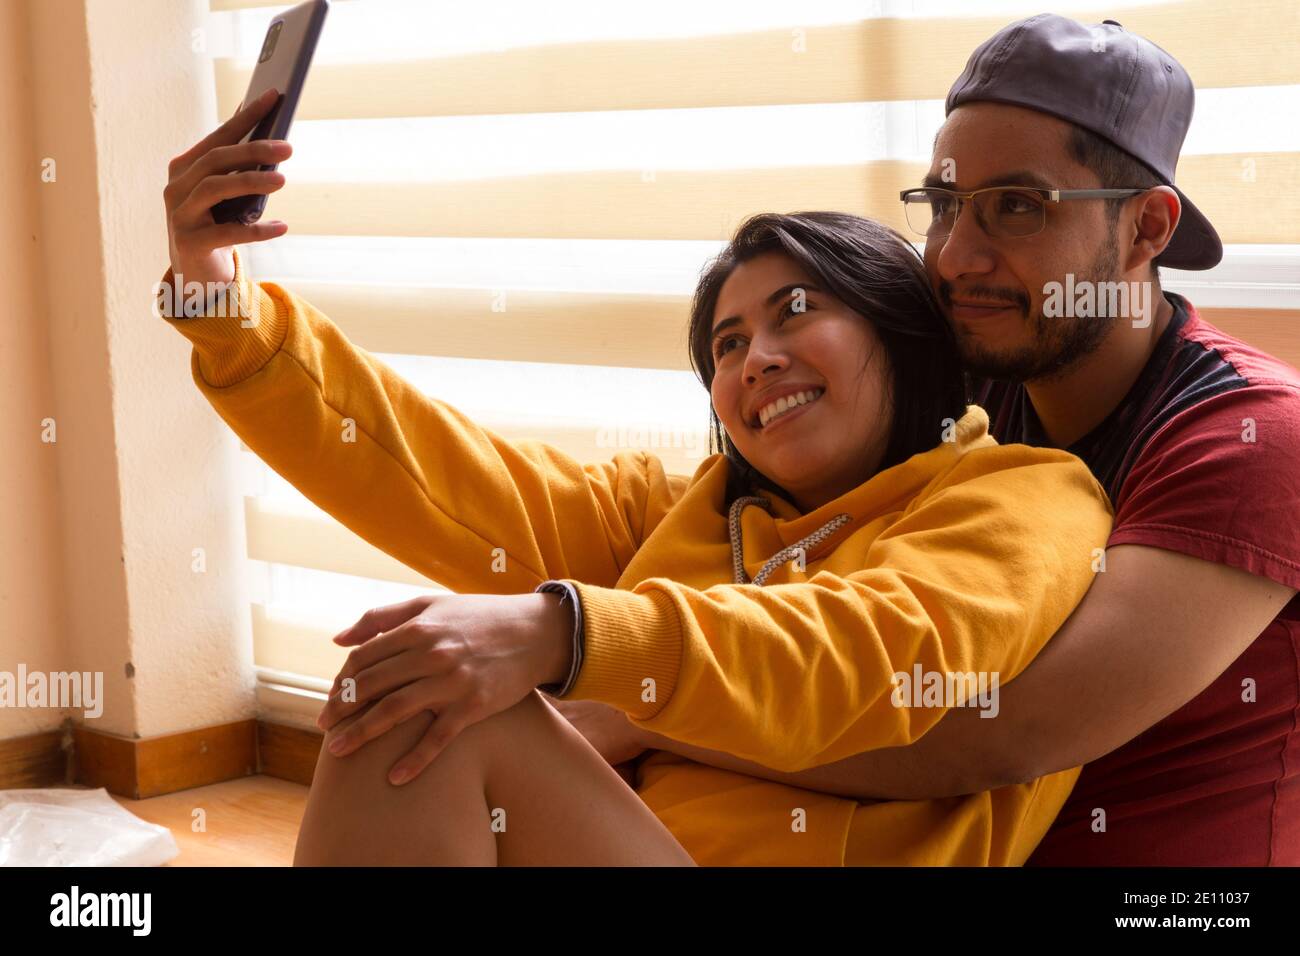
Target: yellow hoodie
[(698, 623)]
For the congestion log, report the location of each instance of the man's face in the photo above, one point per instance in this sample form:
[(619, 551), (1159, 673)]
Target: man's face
[(992, 290)]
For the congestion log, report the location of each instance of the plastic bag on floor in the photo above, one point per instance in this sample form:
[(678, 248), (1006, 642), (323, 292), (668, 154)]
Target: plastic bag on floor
[(61, 827)]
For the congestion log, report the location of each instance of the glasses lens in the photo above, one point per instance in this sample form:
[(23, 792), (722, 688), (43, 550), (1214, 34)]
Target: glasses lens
[(1011, 212), (930, 212)]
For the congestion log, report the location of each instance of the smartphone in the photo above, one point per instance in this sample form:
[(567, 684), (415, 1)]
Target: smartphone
[(286, 55)]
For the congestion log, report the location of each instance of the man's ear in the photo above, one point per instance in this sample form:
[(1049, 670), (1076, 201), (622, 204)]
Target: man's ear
[(1155, 217)]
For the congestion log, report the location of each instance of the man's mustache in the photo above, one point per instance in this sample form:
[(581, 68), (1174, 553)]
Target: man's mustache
[(985, 293)]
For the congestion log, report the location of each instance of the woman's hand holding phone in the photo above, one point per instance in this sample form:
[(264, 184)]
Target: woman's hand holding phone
[(203, 176)]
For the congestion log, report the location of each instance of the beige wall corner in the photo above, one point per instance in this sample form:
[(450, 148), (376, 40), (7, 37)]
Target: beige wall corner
[(31, 599), (139, 572)]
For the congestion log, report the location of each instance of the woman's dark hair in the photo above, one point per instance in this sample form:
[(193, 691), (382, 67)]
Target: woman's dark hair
[(879, 275)]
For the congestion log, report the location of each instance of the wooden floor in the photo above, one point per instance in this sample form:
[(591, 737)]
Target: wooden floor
[(252, 821)]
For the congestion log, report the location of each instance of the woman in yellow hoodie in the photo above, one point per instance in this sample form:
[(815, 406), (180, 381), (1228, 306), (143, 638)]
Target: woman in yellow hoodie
[(860, 557)]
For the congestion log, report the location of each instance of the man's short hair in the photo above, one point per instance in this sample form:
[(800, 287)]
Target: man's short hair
[(1115, 168)]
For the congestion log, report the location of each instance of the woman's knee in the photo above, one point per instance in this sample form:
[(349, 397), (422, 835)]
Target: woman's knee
[(412, 727), (355, 813), (385, 749)]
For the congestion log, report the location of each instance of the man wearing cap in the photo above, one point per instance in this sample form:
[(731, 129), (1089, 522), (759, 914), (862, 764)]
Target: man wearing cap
[(1177, 679)]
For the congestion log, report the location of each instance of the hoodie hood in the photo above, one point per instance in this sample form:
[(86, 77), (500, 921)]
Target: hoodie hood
[(883, 492)]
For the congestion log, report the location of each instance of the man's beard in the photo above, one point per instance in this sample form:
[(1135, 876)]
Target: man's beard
[(1057, 342)]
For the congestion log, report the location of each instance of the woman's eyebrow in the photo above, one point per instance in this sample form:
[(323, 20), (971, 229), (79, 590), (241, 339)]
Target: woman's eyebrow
[(772, 299)]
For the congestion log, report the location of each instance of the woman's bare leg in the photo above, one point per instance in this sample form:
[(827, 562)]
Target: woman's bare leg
[(554, 801), (355, 817)]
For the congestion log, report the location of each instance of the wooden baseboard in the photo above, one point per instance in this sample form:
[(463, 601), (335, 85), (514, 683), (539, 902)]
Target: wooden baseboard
[(158, 765), (40, 760), (151, 767), (287, 752)]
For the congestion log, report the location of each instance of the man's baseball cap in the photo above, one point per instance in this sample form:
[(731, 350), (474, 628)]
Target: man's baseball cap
[(1117, 84)]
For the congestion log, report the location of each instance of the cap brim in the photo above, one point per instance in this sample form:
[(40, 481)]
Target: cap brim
[(1195, 244)]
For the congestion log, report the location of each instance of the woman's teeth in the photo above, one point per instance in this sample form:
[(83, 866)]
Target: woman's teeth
[(785, 404)]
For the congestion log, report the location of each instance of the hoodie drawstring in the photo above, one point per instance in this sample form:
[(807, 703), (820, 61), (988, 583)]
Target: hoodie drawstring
[(803, 545)]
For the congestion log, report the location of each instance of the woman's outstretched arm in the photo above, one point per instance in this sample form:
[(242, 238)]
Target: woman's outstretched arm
[(410, 474), (413, 475)]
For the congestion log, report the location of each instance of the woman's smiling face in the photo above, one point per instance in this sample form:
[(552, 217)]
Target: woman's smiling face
[(768, 339)]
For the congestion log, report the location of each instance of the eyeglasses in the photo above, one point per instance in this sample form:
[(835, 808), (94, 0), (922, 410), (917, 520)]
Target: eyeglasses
[(1001, 211)]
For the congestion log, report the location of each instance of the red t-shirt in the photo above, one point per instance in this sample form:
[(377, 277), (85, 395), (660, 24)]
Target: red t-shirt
[(1201, 457)]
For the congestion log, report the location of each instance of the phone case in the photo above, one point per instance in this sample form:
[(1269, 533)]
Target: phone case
[(285, 70)]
